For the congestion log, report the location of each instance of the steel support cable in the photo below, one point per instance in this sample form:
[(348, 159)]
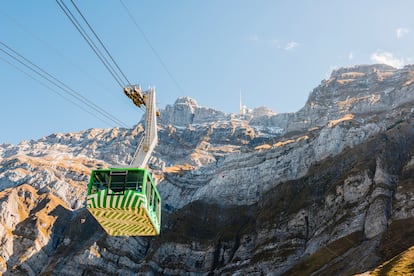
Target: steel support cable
[(42, 73), (152, 47), (100, 41), (54, 91), (91, 44), (56, 51), (70, 91), (66, 88), (103, 46)]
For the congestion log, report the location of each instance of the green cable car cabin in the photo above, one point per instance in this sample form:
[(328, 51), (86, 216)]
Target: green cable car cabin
[(125, 201)]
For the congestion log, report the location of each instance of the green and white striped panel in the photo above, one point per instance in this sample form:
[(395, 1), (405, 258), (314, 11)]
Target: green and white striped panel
[(122, 215), (130, 199)]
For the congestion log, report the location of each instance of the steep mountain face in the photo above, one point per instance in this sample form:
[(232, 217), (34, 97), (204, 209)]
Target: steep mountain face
[(327, 190)]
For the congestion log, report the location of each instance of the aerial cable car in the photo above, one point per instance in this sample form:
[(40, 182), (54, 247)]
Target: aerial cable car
[(125, 201)]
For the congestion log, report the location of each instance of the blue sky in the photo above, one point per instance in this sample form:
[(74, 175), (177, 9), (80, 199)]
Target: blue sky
[(273, 52)]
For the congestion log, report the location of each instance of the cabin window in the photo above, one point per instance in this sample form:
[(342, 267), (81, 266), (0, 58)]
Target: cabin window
[(152, 199), (117, 181), (134, 180), (154, 207), (100, 181), (149, 192), (158, 209)]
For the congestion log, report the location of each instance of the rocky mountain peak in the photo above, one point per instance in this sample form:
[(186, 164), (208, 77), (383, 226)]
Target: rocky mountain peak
[(186, 101), (262, 111), (361, 70), (363, 91), (186, 111)]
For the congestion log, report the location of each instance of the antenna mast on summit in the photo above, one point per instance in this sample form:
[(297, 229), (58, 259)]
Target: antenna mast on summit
[(241, 108)]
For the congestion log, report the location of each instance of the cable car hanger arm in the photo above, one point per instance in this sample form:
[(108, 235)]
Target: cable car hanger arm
[(150, 138)]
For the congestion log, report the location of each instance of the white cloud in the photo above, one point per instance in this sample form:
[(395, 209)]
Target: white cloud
[(351, 56), (400, 32), (291, 45), (386, 58), (273, 42)]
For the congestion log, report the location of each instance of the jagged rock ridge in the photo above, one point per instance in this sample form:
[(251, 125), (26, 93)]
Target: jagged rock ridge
[(324, 190)]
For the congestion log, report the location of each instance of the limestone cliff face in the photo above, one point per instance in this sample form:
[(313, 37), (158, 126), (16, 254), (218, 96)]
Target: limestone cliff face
[(364, 91), (327, 190)]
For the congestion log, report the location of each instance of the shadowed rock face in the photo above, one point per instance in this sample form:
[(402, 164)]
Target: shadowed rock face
[(327, 190)]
